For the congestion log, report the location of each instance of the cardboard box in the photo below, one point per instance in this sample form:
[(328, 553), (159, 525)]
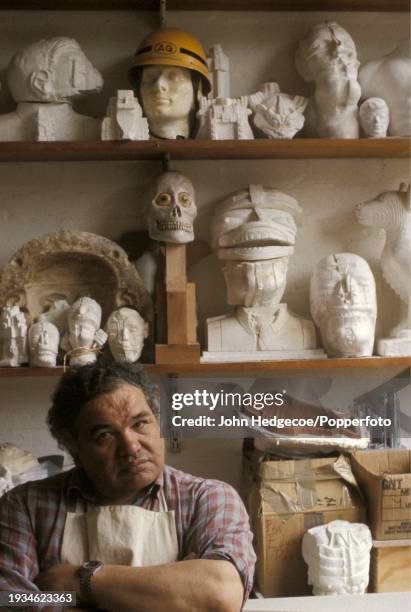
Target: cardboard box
[(385, 478), (390, 569), (284, 499)]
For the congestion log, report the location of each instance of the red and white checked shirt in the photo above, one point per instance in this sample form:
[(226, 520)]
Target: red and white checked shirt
[(211, 522)]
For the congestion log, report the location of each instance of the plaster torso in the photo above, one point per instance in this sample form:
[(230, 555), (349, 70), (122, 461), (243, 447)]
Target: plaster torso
[(47, 121), (265, 329)]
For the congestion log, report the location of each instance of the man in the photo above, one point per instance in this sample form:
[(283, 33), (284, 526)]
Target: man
[(167, 540)]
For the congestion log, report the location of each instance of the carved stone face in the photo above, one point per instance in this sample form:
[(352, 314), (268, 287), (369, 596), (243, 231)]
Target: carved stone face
[(43, 342), (126, 331), (171, 208), (374, 117), (84, 319)]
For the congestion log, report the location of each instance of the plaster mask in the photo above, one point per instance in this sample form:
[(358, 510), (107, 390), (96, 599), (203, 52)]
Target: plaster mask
[(167, 97), (254, 224), (343, 305), (84, 319), (374, 117), (171, 208), (255, 283), (44, 343), (126, 331), (280, 115)]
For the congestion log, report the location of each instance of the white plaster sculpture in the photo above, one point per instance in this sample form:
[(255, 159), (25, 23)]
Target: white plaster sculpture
[(171, 208), (374, 117), (13, 337), (57, 315), (84, 338), (124, 119), (219, 72), (126, 330), (391, 211), (224, 119), (338, 557), (253, 233), (343, 305), (44, 341), (43, 79), (277, 115), (328, 58), (389, 77), (6, 480)]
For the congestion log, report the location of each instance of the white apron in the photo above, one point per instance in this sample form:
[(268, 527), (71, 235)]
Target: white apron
[(120, 535)]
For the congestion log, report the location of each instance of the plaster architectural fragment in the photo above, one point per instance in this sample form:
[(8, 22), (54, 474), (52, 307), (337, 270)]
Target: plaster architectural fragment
[(327, 57), (343, 305), (124, 119), (43, 79), (224, 119), (338, 557), (44, 339), (391, 211), (126, 331), (276, 114), (219, 72), (13, 337)]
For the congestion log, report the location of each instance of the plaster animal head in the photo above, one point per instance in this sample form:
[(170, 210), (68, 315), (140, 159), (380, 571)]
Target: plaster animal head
[(281, 115), (126, 331), (255, 223), (84, 319), (52, 70), (343, 305), (338, 557), (374, 117), (44, 340), (328, 48), (171, 208)]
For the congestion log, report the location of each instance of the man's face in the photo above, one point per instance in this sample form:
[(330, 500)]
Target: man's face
[(119, 444), (167, 93)]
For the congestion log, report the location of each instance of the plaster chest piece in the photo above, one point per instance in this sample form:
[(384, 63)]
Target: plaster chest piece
[(343, 305), (276, 114), (338, 557), (124, 119), (391, 211), (13, 337), (224, 119)]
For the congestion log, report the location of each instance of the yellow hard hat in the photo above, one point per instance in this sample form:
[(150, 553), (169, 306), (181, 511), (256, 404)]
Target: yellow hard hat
[(173, 47)]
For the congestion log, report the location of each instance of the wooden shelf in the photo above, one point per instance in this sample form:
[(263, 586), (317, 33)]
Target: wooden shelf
[(212, 5), (303, 148), (372, 365)]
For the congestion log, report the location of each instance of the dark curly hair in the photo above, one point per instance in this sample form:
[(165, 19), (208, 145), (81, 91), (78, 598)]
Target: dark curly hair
[(81, 385)]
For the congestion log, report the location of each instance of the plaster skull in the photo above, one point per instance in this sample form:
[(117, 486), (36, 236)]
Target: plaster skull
[(171, 208)]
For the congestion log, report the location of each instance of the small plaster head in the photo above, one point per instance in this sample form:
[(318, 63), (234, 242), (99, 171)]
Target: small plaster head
[(84, 319), (253, 221), (343, 305), (44, 340), (52, 70), (171, 208), (374, 117), (126, 331), (328, 47)]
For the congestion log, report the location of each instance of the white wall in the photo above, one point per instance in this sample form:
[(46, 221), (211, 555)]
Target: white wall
[(105, 197)]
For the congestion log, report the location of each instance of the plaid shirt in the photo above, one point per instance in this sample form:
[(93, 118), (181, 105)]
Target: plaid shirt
[(210, 518)]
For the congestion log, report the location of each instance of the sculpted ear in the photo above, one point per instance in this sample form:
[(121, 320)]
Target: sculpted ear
[(40, 82)]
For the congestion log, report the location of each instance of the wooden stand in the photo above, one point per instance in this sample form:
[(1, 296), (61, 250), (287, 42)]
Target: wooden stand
[(182, 345), (390, 569)]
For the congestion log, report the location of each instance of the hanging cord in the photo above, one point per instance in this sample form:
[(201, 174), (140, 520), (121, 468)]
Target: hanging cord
[(163, 13), (77, 351)]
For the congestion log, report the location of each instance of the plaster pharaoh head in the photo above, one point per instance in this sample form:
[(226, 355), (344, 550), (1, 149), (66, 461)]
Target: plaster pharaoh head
[(343, 305), (126, 331), (254, 224), (52, 70), (84, 319), (327, 48), (171, 208), (374, 117), (44, 343)]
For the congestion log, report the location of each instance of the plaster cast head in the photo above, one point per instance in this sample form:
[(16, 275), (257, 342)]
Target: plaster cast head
[(52, 70), (255, 283), (255, 223), (126, 331), (374, 117), (327, 48), (280, 115), (171, 208), (44, 340), (13, 336), (84, 319), (343, 305), (338, 557)]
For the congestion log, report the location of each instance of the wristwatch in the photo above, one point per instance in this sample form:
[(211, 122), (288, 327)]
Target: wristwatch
[(85, 573)]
